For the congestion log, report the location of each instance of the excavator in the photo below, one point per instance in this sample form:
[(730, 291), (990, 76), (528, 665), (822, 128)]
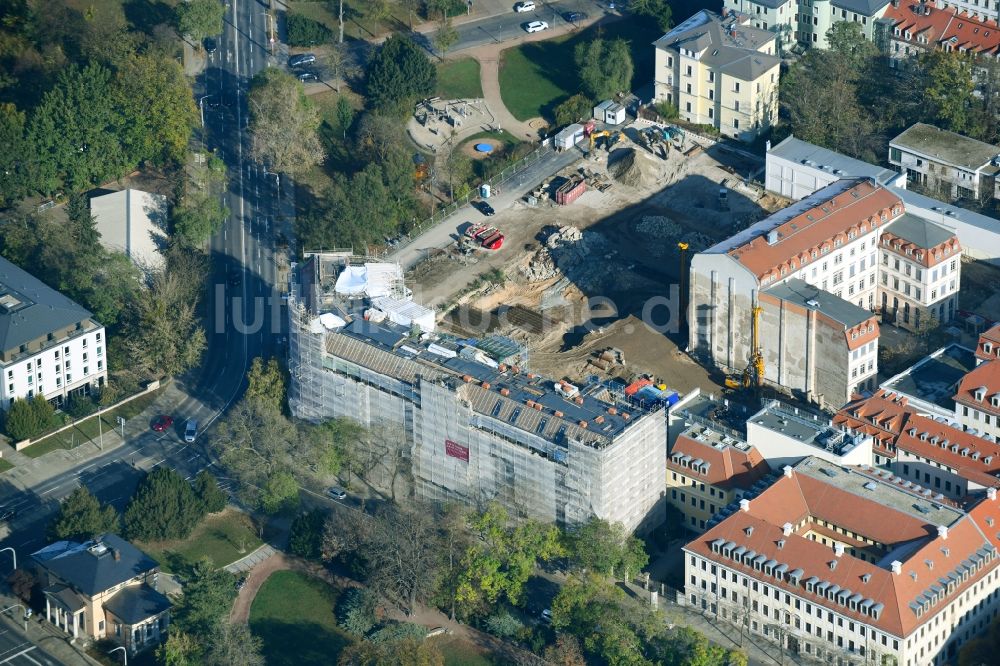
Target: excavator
[(753, 375), (613, 138)]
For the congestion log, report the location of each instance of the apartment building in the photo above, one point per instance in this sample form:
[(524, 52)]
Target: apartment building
[(842, 567), (49, 345), (720, 71), (477, 427), (988, 346), (977, 401), (785, 434), (807, 22), (946, 164), (920, 273), (912, 27), (981, 10)]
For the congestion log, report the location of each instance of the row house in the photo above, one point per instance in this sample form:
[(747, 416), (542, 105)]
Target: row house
[(977, 401), (807, 22), (988, 346)]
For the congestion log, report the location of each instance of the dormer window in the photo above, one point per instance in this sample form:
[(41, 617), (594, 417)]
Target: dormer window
[(980, 393)]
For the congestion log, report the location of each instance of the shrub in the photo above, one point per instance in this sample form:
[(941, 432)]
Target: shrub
[(306, 535), (356, 611), (29, 418), (304, 31), (503, 624)]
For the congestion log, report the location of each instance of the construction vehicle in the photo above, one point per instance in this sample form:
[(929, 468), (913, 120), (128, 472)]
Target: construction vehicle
[(613, 138), (753, 375)]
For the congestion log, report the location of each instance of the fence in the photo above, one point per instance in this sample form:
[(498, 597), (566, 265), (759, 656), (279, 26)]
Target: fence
[(495, 183), (25, 443)]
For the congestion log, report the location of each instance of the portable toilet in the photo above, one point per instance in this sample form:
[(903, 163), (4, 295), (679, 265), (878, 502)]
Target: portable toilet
[(484, 190)]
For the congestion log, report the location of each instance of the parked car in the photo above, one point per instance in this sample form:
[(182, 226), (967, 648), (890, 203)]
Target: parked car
[(526, 6), (240, 583), (7, 515), (235, 279), (308, 76), (536, 26), (337, 493), (191, 431), (301, 59), (210, 45), (162, 423), (485, 209), (437, 631), (573, 17), (547, 616)]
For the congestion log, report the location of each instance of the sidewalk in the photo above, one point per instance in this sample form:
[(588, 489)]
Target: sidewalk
[(44, 635)]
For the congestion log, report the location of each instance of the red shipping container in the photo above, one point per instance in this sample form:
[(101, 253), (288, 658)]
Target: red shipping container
[(634, 387), (569, 196)]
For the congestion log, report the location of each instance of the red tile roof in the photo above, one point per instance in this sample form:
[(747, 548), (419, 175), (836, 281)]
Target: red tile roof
[(855, 211), (941, 26), (989, 337), (889, 412), (760, 529), (729, 466), (918, 437), (985, 376)]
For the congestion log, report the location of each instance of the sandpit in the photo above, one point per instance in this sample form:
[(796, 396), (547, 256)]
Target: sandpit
[(470, 148)]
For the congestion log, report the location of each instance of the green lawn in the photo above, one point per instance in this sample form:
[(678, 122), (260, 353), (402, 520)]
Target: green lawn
[(90, 430), (293, 614), (5, 465), (459, 79), (458, 652), (224, 537), (508, 139), (538, 76)]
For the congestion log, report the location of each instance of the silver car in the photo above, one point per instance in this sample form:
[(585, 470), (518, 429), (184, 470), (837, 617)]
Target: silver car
[(190, 431), (337, 493)]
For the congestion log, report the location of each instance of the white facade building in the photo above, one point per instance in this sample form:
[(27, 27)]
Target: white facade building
[(784, 435), (49, 345), (977, 402)]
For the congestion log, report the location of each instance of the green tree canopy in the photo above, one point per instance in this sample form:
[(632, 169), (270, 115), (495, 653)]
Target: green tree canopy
[(948, 89), (16, 160), (657, 10), (574, 109), (200, 18), (398, 75), (208, 598), (164, 507), (606, 548), (305, 537), (304, 31), (605, 67), (206, 489), (266, 382), (81, 517), (27, 418)]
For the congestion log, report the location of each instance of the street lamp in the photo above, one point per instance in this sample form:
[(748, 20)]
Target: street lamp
[(27, 613), (124, 652), (12, 553), (201, 107)]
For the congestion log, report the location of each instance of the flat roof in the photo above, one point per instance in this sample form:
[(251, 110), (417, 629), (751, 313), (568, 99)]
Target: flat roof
[(824, 159), (805, 427), (948, 147), (935, 378), (807, 296)]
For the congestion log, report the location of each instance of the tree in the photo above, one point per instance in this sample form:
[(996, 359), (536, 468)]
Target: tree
[(658, 10), (949, 88), (23, 584), (446, 36), (15, 159), (573, 109), (605, 67), (199, 216), (459, 169), (304, 31), (266, 383), (27, 418), (398, 75), (344, 113), (233, 644), (848, 40), (280, 493), (305, 537), (503, 624), (206, 489), (405, 652), (200, 18), (81, 517), (208, 597), (283, 123), (607, 548), (164, 506), (566, 651), (180, 649), (357, 610)]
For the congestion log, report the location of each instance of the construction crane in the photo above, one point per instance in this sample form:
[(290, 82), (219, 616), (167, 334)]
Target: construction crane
[(753, 375), (683, 247)]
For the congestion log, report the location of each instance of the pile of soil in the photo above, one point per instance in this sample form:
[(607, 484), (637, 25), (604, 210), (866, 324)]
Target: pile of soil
[(624, 167)]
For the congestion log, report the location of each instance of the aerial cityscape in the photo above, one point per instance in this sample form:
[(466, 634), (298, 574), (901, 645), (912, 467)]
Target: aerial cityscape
[(483, 332)]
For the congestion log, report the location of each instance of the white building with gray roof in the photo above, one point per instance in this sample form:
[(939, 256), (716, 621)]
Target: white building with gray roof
[(49, 344), (807, 22), (797, 168), (948, 165)]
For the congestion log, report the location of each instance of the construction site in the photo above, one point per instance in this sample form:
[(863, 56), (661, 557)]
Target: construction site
[(595, 251)]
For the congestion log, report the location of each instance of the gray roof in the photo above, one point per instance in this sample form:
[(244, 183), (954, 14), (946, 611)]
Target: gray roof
[(137, 603), (919, 231), (803, 152), (807, 296), (948, 147), (709, 33), (771, 4), (92, 567), (862, 7), (30, 309)]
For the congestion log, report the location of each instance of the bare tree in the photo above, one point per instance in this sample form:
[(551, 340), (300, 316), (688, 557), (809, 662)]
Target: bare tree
[(402, 549), (283, 124)]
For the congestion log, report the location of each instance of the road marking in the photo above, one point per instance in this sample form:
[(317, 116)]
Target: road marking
[(22, 652)]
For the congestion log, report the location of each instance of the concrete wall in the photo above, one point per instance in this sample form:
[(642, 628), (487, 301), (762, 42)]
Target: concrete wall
[(720, 300)]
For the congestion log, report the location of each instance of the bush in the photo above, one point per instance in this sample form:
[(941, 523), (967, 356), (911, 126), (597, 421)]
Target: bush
[(206, 487), (306, 535), (503, 624), (29, 418), (666, 110), (80, 406), (304, 31), (357, 611), (398, 631)]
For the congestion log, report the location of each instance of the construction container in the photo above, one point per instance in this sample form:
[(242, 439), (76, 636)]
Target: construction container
[(568, 137), (634, 387), (570, 192)]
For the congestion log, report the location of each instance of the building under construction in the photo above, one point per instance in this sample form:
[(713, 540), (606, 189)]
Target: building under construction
[(480, 426)]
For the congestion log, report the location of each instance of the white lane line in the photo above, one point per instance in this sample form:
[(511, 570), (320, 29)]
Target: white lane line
[(22, 652)]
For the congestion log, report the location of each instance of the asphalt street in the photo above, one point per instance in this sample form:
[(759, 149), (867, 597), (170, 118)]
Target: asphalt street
[(16, 650)]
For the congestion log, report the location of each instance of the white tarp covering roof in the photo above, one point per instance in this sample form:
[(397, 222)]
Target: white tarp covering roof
[(406, 313), (372, 280), (331, 321)]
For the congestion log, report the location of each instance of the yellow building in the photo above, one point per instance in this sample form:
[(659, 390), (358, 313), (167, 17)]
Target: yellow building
[(720, 71)]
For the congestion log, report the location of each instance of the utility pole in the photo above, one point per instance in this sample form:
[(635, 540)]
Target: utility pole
[(100, 432)]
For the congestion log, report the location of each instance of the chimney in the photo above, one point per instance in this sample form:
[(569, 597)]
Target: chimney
[(786, 529), (838, 549), (117, 554), (744, 504), (991, 494), (942, 531), (897, 567), (787, 469)]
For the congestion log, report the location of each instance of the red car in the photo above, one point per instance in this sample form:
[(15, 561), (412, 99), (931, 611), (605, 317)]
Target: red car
[(162, 422)]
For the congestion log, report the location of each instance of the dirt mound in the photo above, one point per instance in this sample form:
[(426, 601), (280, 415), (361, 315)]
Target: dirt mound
[(625, 168)]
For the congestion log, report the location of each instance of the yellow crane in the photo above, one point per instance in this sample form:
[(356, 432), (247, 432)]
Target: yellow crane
[(683, 247), (753, 375)]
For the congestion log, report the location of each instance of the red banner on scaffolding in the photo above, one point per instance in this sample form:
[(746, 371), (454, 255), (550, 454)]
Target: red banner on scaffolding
[(456, 450)]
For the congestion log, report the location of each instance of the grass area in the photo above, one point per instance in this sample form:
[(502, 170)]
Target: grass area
[(89, 429), (458, 652), (508, 139), (293, 615), (224, 537), (459, 79), (538, 76), (5, 465)]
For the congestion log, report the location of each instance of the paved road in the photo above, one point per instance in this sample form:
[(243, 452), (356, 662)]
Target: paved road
[(16, 650)]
